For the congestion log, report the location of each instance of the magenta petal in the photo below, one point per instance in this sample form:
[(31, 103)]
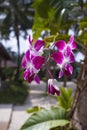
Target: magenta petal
[(57, 92), (72, 43), (58, 57), (71, 39), (30, 41), (38, 61), (67, 51), (68, 70), (60, 45), (27, 55), (31, 78), (26, 74), (72, 59), (60, 73), (36, 78), (51, 89), (23, 62), (38, 44)]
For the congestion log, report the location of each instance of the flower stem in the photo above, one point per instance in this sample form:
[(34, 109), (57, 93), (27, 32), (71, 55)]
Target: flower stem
[(50, 74)]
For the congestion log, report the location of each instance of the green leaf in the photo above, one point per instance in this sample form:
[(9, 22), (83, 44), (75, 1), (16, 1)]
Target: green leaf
[(83, 24), (66, 97), (34, 109), (46, 119)]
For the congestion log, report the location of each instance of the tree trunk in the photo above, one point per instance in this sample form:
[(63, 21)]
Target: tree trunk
[(80, 115), (16, 30), (79, 119), (18, 60)]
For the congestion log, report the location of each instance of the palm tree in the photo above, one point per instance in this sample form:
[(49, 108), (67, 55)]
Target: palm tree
[(18, 18)]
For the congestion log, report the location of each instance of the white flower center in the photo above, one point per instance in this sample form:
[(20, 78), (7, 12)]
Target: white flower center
[(31, 67)]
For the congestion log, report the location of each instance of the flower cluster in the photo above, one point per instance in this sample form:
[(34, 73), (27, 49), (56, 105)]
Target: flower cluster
[(33, 60), (64, 56)]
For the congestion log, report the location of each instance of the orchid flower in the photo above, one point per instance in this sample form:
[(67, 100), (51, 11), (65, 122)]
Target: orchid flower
[(37, 47), (64, 56), (32, 64), (53, 87), (63, 62)]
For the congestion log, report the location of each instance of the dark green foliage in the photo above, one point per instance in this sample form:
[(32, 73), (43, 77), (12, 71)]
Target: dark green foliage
[(14, 93), (42, 7)]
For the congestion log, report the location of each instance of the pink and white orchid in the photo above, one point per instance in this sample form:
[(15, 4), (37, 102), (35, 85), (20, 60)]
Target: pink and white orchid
[(64, 56), (63, 63), (53, 87), (32, 64)]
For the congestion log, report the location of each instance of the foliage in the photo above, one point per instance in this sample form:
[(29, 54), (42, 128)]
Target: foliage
[(43, 16), (53, 38), (14, 93), (34, 109), (16, 14), (46, 119), (18, 18), (57, 13), (65, 15), (8, 74), (66, 98)]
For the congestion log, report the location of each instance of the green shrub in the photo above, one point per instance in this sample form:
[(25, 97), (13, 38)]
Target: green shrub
[(14, 93)]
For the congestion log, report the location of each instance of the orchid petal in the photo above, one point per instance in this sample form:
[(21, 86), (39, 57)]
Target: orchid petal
[(30, 41), (71, 39), (51, 89), (60, 45), (26, 74), (38, 61), (68, 70), (23, 62), (57, 91), (72, 43), (36, 78), (38, 44), (72, 59), (27, 56), (60, 73), (31, 78), (67, 51), (58, 57)]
